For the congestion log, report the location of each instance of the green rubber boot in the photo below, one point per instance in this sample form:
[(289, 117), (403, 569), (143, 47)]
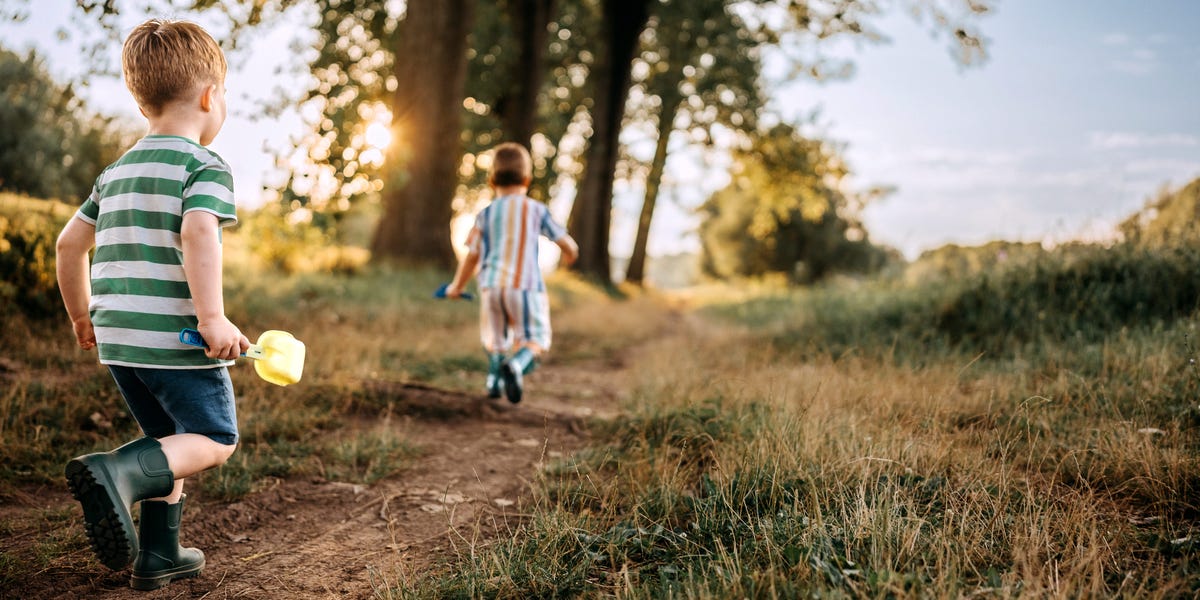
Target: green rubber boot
[(107, 484), (495, 384), (161, 560), (513, 373)]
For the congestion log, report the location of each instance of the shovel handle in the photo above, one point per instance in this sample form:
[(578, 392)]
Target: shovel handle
[(192, 337), (440, 293)]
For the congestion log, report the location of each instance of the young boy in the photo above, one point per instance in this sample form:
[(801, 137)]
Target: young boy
[(503, 246), (155, 219)]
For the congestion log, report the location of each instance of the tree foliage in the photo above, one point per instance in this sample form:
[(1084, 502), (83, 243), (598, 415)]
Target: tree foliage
[(551, 73), (621, 24), (698, 68), (51, 144), (701, 64), (785, 211)]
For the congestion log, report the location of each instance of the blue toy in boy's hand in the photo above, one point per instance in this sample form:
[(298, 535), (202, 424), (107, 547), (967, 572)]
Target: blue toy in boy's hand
[(192, 337), (440, 294)]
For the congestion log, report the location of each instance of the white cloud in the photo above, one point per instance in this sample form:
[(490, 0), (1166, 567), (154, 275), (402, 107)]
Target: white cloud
[(1140, 59), (1116, 140), (970, 195)]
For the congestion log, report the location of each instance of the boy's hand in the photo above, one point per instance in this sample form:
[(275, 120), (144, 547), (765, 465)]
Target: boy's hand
[(453, 291), (85, 334), (570, 250), (225, 341)]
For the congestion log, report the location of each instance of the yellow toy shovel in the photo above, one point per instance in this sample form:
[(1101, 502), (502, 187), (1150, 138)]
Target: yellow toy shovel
[(278, 355)]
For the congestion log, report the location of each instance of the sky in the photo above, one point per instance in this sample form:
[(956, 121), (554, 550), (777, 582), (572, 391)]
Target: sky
[(1084, 109)]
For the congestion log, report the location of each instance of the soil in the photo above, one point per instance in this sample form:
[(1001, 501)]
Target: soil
[(303, 538)]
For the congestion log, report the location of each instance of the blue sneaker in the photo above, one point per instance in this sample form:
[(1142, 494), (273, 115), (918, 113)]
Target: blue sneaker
[(513, 371), (495, 382)]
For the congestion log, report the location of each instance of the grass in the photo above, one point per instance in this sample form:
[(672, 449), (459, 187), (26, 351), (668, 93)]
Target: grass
[(849, 478), (53, 541), (814, 445), (1020, 432)]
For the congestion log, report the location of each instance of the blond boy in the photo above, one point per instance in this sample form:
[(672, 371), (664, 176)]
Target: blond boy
[(503, 247), (154, 218)]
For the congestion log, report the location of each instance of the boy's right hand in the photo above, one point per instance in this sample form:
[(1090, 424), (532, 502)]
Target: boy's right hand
[(85, 334), (225, 341)]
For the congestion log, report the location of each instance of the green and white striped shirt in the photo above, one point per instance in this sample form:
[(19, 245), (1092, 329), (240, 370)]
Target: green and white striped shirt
[(140, 295)]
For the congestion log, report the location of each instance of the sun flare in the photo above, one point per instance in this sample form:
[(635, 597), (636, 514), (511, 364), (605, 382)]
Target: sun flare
[(376, 137)]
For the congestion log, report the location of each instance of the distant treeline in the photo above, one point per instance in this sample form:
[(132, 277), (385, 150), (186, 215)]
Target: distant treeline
[(1007, 298)]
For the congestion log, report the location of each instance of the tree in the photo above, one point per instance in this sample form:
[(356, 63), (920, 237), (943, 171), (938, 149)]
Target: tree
[(372, 61), (787, 24), (518, 105), (525, 91), (785, 212), (698, 68), (591, 216), (362, 75), (51, 144), (426, 115)]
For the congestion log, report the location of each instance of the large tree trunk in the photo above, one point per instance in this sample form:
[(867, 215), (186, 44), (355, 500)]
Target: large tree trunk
[(591, 215), (636, 271), (431, 68), (519, 113)]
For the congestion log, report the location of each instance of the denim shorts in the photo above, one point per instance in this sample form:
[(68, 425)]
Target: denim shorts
[(170, 401)]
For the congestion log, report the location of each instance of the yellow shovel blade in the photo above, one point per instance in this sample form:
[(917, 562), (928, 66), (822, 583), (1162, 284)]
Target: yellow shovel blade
[(279, 357)]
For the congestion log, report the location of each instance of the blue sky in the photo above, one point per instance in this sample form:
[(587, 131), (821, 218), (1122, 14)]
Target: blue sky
[(1084, 109)]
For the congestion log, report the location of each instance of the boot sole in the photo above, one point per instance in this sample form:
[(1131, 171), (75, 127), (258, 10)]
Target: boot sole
[(109, 528), (512, 386), (161, 578)]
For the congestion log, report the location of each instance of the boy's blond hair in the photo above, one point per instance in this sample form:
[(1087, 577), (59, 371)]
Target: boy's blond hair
[(511, 165), (164, 61)]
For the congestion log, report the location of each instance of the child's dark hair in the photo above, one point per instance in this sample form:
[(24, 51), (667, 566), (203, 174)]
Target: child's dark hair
[(511, 165)]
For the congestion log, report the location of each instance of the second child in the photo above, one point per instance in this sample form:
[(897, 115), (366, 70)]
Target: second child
[(514, 314)]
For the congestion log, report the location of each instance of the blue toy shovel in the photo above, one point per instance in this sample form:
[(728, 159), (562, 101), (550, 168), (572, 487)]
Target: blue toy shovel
[(440, 293), (278, 355)]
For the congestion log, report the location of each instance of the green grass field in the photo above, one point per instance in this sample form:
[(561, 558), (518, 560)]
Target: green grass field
[(1031, 432)]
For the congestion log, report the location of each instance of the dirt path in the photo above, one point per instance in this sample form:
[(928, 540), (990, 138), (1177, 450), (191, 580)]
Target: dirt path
[(310, 539)]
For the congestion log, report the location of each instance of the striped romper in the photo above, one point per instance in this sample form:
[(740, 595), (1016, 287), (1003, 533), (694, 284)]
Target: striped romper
[(514, 308)]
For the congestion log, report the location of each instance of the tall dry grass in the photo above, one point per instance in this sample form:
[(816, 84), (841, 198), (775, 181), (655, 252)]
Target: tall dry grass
[(744, 469)]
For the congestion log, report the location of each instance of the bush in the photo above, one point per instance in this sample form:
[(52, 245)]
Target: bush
[(291, 245), (1082, 293), (1086, 292), (28, 230)]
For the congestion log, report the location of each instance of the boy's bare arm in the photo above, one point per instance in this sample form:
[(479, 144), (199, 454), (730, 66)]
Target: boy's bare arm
[(200, 234), (466, 270), (76, 239), (570, 250)]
